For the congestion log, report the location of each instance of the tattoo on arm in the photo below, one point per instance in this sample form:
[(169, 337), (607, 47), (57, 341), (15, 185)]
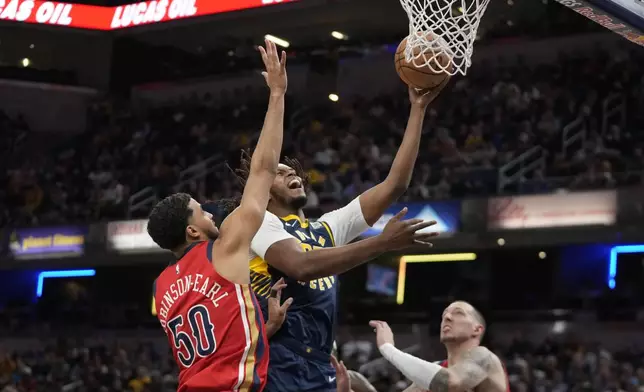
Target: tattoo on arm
[(472, 369)]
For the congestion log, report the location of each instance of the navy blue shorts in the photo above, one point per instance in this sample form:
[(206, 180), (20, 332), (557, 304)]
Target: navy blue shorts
[(296, 368)]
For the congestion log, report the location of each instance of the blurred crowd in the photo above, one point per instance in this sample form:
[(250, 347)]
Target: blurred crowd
[(479, 123), (553, 365)]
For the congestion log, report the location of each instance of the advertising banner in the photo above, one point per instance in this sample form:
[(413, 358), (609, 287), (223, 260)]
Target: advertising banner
[(111, 18), (625, 17), (46, 242), (130, 237), (445, 213), (553, 210)]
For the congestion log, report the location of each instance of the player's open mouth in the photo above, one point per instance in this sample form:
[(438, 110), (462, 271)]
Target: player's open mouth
[(295, 184)]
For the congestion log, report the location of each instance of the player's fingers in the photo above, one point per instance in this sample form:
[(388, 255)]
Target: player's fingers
[(425, 236), (262, 52), (400, 214), (423, 243), (421, 225), (334, 362), (283, 60), (412, 222), (275, 292), (267, 44), (375, 323), (287, 304)]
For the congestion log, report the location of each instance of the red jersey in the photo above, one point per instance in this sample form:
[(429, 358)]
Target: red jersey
[(445, 364), (215, 327)]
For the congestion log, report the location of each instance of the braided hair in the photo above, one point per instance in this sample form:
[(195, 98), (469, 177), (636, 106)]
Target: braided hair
[(243, 171)]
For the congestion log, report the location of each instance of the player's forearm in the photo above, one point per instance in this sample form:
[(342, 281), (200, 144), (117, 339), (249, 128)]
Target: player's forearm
[(320, 263), (269, 145), (402, 167), (421, 373)]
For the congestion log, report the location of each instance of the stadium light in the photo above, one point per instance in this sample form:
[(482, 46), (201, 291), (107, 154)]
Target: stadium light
[(334, 97), (612, 262), (25, 62), (277, 40), (437, 258), (338, 35), (60, 274)]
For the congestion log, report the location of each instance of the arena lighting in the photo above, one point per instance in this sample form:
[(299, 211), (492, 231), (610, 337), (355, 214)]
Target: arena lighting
[(612, 261), (338, 35), (277, 40), (61, 274), (437, 258), (334, 97)]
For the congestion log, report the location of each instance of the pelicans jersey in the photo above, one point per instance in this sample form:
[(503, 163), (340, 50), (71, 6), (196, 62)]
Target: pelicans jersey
[(215, 327), (300, 350)]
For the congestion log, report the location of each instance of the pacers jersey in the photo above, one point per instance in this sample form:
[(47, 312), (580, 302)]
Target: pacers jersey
[(215, 327), (311, 318)]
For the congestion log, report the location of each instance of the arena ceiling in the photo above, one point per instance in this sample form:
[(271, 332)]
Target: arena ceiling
[(305, 22)]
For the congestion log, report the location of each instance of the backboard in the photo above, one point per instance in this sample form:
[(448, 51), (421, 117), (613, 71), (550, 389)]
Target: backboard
[(624, 17)]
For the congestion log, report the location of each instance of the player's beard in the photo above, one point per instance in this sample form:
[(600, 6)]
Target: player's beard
[(298, 202)]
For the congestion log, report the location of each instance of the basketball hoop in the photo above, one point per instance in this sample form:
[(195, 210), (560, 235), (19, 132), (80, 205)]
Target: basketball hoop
[(442, 27)]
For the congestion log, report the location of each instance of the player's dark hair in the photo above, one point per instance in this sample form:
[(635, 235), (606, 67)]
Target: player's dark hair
[(243, 171), (168, 221)]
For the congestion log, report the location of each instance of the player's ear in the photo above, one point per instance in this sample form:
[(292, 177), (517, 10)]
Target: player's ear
[(192, 232), (479, 330)]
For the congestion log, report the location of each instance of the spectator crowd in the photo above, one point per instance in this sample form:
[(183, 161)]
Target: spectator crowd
[(558, 364), (479, 123)]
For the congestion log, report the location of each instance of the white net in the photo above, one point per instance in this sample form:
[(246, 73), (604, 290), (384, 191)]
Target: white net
[(442, 33)]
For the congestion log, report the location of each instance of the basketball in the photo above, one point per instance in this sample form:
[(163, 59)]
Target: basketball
[(421, 77)]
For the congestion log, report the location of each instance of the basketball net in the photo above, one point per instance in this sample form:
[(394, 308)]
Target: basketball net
[(452, 24)]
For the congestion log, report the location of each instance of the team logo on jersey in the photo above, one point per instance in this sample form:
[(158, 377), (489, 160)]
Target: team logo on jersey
[(177, 269), (316, 225)]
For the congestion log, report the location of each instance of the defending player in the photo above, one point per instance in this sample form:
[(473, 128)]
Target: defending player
[(469, 366), (309, 255), (204, 301)]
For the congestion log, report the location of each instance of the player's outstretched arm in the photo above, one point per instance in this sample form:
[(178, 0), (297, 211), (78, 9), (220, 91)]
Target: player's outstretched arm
[(467, 374), (375, 201), (287, 255), (241, 225)]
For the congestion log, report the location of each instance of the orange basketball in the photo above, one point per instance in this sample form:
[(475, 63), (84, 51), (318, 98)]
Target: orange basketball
[(422, 77)]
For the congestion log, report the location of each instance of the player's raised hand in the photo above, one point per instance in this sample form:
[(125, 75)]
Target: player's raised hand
[(384, 334), (275, 65), (424, 97), (400, 234), (276, 309)]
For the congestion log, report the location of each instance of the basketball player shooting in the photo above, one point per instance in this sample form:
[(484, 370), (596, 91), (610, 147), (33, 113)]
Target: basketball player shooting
[(469, 366), (309, 255), (204, 300)]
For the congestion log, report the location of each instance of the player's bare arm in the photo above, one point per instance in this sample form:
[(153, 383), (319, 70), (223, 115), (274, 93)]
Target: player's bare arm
[(476, 367), (375, 201), (470, 371), (287, 255), (241, 225)]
